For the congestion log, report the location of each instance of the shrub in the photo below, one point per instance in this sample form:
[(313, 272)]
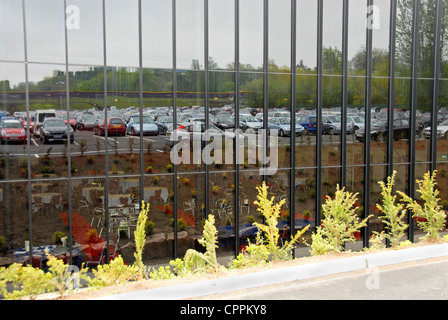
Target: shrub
[(432, 213), (114, 273), (393, 213), (140, 237), (339, 224)]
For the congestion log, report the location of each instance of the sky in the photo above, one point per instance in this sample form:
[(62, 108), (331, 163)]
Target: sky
[(46, 35)]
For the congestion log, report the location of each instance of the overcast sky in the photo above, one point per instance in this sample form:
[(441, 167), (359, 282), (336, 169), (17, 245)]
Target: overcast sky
[(45, 33)]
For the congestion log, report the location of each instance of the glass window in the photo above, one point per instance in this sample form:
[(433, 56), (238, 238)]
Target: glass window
[(251, 34), (221, 34), (279, 36), (45, 31), (190, 34), (306, 36), (85, 32), (157, 34), (11, 31), (332, 37), (122, 33)]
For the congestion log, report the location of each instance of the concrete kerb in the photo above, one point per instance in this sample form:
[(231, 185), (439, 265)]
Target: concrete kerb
[(286, 274)]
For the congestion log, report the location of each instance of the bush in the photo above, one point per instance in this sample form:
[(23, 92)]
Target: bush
[(339, 224), (432, 213)]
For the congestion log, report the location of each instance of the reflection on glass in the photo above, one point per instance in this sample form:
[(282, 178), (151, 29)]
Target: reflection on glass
[(357, 37), (380, 41), (331, 121), (221, 35), (122, 33), (426, 39), (45, 31), (251, 35), (306, 36), (403, 39), (332, 37), (85, 45), (11, 30), (157, 34), (190, 34), (402, 103), (279, 36)]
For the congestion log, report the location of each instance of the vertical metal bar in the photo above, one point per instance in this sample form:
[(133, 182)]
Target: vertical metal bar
[(265, 82), (320, 5), (106, 135), (292, 149), (206, 98), (69, 156), (413, 108), (237, 122), (28, 134), (391, 93), (175, 167), (343, 174), (368, 106), (140, 76), (436, 76)]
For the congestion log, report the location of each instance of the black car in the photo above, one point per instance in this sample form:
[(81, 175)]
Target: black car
[(55, 129), (224, 121), (379, 130)]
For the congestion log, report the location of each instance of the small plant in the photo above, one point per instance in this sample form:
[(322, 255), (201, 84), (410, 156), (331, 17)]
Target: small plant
[(393, 213), (181, 224), (140, 236), (82, 146), (114, 273), (169, 167), (432, 213), (339, 225), (149, 227), (57, 237), (203, 262), (163, 273)]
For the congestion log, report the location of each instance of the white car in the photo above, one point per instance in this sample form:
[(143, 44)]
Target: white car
[(442, 131)]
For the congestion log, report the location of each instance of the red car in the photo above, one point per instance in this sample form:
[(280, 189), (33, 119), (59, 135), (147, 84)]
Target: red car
[(24, 121), (12, 131), (63, 116), (115, 126)]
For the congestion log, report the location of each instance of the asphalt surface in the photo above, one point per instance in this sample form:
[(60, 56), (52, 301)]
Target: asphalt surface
[(422, 280)]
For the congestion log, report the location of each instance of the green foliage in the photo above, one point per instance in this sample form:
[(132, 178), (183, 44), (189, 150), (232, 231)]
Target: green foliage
[(140, 237), (114, 273), (205, 262), (431, 212), (163, 273), (393, 213), (57, 237), (266, 246), (339, 224)]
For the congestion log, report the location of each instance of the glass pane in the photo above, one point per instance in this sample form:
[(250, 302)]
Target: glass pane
[(221, 35), (306, 36), (442, 133), (331, 120), (380, 54), (426, 39), (356, 118), (85, 32), (11, 31), (279, 36), (423, 120), (379, 128), (122, 38), (403, 39), (332, 37), (190, 34), (45, 31), (47, 84), (251, 35), (402, 102), (357, 37), (306, 90), (157, 34)]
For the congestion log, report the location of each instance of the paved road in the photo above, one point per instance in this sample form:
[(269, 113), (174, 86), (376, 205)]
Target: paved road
[(412, 281)]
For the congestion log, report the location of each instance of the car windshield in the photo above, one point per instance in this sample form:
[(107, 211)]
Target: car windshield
[(335, 118), (115, 121), (284, 120), (249, 119), (146, 119), (444, 123), (165, 119), (380, 123), (358, 119), (89, 118), (55, 123), (12, 124)]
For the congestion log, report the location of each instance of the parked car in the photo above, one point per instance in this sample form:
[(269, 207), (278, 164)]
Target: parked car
[(224, 121), (379, 130), (442, 131), (332, 125), (85, 122), (115, 126), (164, 123), (248, 121), (55, 129), (283, 125), (63, 116), (356, 121), (24, 121), (308, 122), (194, 131), (149, 126), (12, 131)]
